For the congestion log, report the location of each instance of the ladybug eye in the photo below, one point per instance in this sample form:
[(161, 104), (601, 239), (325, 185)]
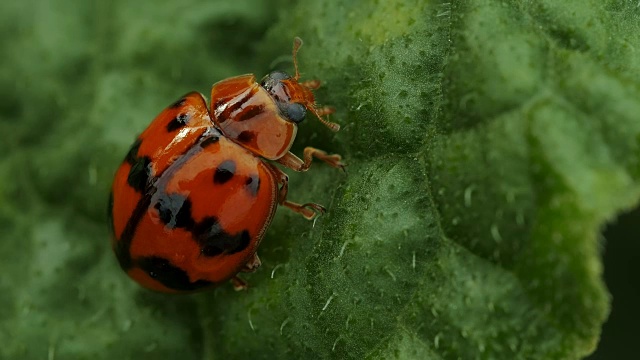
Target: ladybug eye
[(270, 81), (279, 75), (295, 112)]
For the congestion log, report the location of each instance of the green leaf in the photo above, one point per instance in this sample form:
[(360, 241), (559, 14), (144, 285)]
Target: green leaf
[(488, 142)]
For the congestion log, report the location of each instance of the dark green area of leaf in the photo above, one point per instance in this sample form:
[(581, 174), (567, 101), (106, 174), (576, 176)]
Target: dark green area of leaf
[(487, 141)]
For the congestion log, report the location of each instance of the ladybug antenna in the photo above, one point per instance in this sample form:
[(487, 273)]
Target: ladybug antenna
[(326, 110), (297, 43)]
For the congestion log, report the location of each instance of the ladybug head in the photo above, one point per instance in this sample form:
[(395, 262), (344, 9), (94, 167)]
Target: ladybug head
[(263, 117), (295, 98)]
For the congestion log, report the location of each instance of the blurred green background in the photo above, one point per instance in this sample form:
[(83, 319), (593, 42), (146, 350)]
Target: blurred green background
[(496, 142)]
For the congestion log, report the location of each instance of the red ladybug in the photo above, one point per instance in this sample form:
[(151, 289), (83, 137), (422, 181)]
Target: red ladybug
[(194, 196)]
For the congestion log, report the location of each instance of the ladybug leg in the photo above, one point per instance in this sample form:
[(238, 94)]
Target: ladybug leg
[(308, 210), (252, 265), (295, 163), (239, 284)]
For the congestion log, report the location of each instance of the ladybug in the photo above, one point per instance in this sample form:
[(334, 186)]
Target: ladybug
[(196, 192)]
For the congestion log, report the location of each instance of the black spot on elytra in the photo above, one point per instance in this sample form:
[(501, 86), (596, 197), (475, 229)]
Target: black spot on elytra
[(139, 174), (250, 112), (207, 233), (132, 155), (246, 136), (241, 240), (178, 122), (169, 275), (174, 210), (213, 240), (224, 172), (209, 141), (253, 184)]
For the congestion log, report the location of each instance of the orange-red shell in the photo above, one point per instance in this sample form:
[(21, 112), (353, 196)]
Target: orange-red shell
[(189, 206)]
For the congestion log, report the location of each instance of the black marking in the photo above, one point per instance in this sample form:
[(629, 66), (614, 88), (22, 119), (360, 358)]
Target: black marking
[(224, 172), (174, 210), (246, 136), (123, 254), (219, 103), (209, 141), (213, 240), (253, 184), (132, 155), (208, 234), (139, 174), (242, 240), (140, 179), (170, 275), (179, 103), (122, 247), (224, 116), (178, 122), (250, 112), (110, 215)]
